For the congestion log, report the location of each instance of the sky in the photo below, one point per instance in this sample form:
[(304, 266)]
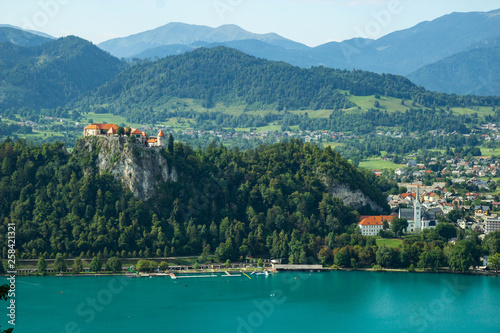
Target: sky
[(311, 22)]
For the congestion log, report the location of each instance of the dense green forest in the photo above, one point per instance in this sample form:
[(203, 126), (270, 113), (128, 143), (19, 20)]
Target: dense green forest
[(61, 204), (269, 201), (373, 145), (52, 74)]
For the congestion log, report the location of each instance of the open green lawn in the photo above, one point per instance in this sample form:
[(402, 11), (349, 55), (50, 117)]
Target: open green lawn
[(389, 242), (489, 151), (481, 110), (379, 164), (394, 104), (386, 103), (104, 118)]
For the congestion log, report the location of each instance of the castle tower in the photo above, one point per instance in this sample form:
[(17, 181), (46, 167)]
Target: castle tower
[(161, 139), (417, 215)]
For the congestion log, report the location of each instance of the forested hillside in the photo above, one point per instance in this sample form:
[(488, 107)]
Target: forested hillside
[(223, 75), (272, 200), (52, 74), (475, 72)]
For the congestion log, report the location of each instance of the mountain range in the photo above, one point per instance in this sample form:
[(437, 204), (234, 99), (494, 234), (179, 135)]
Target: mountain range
[(402, 52), (41, 72), (53, 73), (17, 36)]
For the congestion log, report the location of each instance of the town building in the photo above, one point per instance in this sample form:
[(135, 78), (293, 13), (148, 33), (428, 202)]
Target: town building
[(371, 225), (491, 224), (418, 217), (482, 210)]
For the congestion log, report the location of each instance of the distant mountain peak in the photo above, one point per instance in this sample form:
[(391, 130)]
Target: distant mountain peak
[(38, 33), (178, 33), (20, 37)]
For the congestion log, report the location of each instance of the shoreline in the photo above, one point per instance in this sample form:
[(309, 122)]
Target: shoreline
[(233, 270)]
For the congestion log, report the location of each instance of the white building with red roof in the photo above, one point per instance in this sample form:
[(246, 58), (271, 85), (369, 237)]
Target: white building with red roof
[(371, 225)]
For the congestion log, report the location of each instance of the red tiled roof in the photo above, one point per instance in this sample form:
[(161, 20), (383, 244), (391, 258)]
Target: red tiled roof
[(161, 133), (376, 220), (135, 131), (104, 127)]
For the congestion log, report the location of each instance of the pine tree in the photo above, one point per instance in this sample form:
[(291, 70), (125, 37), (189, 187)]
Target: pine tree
[(170, 145)]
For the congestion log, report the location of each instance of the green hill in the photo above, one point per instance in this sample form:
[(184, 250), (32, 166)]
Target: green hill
[(229, 77), (475, 72), (236, 202), (52, 74)]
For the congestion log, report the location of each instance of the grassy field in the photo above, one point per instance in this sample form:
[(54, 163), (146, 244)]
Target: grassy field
[(379, 164), (481, 110), (389, 104), (104, 118), (389, 242), (489, 151)]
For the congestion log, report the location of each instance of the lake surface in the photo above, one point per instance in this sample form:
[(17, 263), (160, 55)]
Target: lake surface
[(285, 302)]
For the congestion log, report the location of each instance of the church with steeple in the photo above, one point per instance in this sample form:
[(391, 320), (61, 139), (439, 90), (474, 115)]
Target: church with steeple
[(418, 217)]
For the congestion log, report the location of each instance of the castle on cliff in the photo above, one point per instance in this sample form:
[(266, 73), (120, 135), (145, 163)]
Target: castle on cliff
[(110, 130)]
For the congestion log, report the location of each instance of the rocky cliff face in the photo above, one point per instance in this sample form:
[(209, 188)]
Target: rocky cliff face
[(139, 169), (355, 199)]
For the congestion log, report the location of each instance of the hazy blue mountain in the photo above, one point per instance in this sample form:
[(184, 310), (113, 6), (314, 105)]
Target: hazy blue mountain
[(405, 51), (474, 72), (54, 73), (187, 34), (21, 37), (163, 51), (34, 32), (401, 52)]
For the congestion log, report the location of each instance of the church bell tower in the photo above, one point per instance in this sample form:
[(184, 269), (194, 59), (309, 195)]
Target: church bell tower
[(417, 215)]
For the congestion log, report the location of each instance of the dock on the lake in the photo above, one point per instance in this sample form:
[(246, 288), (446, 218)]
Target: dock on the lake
[(298, 268)]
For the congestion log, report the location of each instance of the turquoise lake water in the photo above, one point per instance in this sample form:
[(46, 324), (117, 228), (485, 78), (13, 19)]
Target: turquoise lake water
[(285, 302)]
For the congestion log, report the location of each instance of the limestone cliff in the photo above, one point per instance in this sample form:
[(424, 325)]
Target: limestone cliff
[(139, 169), (353, 198)]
